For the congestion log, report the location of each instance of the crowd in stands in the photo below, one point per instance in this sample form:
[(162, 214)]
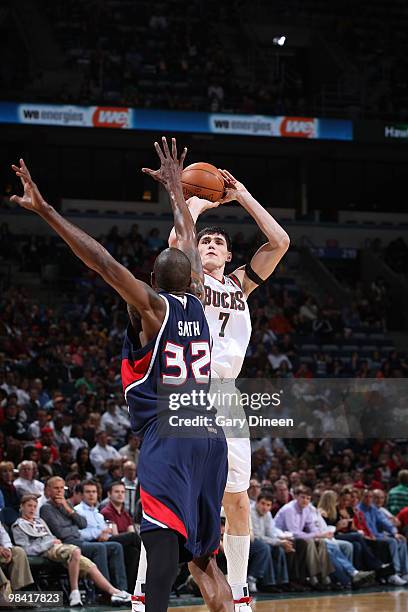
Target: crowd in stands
[(127, 54), (68, 471)]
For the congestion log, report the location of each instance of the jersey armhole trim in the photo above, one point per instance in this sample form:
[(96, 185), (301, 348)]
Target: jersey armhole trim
[(156, 346), (236, 280)]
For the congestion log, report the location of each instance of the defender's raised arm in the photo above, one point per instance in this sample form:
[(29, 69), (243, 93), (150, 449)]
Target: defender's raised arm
[(135, 292), (169, 174)]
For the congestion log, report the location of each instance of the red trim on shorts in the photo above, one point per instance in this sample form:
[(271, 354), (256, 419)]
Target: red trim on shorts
[(157, 510), (140, 598), (132, 371)]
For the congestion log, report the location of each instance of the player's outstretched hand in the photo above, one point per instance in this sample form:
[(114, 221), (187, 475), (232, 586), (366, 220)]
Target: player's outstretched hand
[(170, 166), (233, 188), (32, 198)]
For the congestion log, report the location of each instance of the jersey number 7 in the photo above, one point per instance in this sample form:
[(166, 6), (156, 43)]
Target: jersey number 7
[(224, 316), (176, 354)]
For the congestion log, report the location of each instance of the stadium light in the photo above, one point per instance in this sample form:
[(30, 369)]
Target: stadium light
[(279, 40)]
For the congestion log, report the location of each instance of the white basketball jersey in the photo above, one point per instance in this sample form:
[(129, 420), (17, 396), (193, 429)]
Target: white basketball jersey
[(228, 317)]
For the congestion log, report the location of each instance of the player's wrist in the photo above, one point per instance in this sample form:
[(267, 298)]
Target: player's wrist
[(243, 196), (45, 209)]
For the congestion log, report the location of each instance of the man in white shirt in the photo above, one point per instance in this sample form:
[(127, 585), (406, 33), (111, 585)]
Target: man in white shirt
[(131, 450), (26, 483), (103, 456), (115, 422), (131, 483), (265, 531), (276, 358)]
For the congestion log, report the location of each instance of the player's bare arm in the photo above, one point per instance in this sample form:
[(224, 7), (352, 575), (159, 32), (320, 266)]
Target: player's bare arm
[(196, 206), (136, 293), (267, 257), (169, 174)]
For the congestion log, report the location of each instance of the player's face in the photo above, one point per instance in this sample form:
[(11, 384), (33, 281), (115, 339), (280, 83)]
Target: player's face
[(213, 251)]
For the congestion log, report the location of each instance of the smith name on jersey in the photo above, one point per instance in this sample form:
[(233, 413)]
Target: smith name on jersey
[(177, 358), (228, 316)]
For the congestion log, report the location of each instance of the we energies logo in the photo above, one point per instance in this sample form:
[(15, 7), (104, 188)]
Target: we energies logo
[(298, 127), (111, 117)]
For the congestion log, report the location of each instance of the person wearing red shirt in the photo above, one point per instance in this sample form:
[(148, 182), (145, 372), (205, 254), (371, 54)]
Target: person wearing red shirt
[(402, 516), (115, 513)]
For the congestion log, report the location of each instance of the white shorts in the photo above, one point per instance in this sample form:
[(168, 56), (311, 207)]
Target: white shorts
[(239, 448), (239, 465)]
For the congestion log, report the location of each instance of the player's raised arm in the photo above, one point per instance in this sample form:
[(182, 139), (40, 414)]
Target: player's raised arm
[(267, 257), (196, 206), (135, 292), (169, 174)]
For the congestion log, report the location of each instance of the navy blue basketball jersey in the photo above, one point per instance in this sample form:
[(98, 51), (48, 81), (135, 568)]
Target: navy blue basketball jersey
[(179, 357)]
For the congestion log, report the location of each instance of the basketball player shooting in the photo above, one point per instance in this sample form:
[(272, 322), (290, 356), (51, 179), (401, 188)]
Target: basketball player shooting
[(229, 320), (182, 481)]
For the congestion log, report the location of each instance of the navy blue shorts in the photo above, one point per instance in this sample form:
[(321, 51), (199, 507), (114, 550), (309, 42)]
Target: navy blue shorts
[(182, 483)]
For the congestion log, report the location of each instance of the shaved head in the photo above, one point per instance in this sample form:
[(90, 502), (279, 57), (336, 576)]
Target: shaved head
[(172, 271)]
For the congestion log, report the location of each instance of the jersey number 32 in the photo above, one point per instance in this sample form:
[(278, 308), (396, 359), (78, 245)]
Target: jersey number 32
[(197, 366)]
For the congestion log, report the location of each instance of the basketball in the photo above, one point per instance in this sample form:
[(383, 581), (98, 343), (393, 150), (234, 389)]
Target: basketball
[(202, 180)]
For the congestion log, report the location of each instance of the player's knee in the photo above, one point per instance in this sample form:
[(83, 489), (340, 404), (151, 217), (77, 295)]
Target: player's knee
[(236, 504), (76, 554)]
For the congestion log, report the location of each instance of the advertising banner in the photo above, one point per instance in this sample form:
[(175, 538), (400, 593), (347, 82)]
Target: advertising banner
[(175, 121)]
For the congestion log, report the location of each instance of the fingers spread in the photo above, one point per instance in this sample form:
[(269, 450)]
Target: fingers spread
[(24, 167), (174, 148), (165, 147), (159, 151), (183, 156)]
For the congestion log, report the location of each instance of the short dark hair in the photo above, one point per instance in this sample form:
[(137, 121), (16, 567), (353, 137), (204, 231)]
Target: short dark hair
[(302, 490), (116, 483), (265, 495), (89, 482), (213, 229)]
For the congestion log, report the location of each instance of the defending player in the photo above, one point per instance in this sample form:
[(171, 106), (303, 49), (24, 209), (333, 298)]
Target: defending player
[(182, 481)]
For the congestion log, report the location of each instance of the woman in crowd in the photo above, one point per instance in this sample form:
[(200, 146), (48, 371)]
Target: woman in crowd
[(338, 513)]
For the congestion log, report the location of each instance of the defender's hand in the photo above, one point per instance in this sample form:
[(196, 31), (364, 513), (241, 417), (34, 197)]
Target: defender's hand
[(170, 166), (32, 198)]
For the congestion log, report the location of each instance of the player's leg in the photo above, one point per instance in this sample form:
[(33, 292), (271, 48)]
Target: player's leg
[(212, 583), (237, 542), (138, 598), (162, 551), (237, 512)]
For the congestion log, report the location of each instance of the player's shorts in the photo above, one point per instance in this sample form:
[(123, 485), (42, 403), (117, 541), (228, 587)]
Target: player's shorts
[(239, 446), (182, 482)]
